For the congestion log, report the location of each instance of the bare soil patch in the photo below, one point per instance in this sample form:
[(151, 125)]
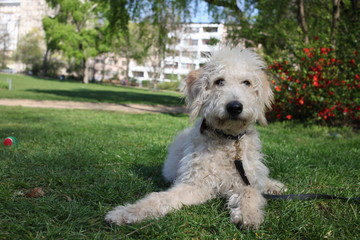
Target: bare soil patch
[(128, 108)]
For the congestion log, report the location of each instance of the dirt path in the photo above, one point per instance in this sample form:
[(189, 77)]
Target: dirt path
[(129, 108)]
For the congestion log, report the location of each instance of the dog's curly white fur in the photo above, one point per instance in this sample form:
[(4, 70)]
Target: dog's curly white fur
[(229, 95)]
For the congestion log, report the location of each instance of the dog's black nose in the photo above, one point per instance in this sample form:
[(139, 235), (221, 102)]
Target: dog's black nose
[(234, 108)]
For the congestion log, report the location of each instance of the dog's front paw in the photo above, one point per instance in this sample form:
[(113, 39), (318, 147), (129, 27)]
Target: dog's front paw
[(246, 221), (274, 187), (121, 215)]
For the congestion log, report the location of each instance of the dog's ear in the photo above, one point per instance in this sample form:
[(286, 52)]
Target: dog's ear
[(192, 88), (266, 98)]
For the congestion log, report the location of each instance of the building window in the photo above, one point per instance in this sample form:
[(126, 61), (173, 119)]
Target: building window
[(138, 74), (194, 42), (189, 66), (190, 54), (206, 41), (171, 65), (191, 30), (211, 41), (191, 42), (210, 29)]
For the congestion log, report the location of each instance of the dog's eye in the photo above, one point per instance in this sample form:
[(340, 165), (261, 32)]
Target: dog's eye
[(220, 82), (247, 83)]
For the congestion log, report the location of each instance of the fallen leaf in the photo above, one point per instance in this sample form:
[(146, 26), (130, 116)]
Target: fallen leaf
[(35, 193)]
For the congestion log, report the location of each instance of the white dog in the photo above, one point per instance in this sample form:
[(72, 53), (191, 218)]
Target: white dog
[(229, 94)]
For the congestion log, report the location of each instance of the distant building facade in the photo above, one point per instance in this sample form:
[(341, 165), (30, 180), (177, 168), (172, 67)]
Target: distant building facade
[(192, 44), (18, 18), (9, 24)]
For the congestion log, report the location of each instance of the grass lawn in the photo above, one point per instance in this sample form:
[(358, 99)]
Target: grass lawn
[(28, 87), (87, 162)]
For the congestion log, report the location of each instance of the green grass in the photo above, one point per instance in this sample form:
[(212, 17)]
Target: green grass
[(90, 161), (51, 89)]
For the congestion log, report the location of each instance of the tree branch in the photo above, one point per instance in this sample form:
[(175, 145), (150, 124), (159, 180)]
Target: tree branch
[(232, 5), (302, 20), (335, 20)]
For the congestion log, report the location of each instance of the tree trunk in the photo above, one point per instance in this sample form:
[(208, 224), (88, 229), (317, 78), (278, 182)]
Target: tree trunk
[(45, 62), (127, 70), (86, 71), (335, 20), (302, 20)]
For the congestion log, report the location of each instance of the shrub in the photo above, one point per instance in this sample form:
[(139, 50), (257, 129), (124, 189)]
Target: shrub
[(316, 86), (4, 85), (171, 86), (133, 82), (147, 84)]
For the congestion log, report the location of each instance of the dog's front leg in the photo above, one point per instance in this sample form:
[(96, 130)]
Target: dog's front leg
[(158, 204), (246, 207)]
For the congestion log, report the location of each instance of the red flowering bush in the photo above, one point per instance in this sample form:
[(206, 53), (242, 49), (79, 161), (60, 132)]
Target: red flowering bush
[(317, 86)]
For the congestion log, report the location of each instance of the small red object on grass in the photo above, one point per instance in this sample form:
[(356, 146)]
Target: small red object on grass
[(10, 141)]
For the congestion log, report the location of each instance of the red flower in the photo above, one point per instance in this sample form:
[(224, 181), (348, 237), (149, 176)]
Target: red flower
[(357, 76), (316, 81), (289, 117), (308, 52), (330, 93), (277, 88), (324, 51), (301, 101), (352, 61)]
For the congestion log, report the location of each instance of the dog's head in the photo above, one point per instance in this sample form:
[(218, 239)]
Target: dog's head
[(231, 91)]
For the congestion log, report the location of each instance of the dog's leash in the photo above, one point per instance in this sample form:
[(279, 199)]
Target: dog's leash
[(307, 196)]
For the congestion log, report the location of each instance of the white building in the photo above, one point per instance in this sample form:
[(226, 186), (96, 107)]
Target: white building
[(18, 18), (9, 24), (192, 44)]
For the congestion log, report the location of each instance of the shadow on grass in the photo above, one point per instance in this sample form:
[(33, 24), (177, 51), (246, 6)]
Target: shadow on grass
[(152, 172), (114, 96)]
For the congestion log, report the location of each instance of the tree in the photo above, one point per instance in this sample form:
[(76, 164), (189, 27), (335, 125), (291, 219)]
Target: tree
[(73, 31), (132, 44), (4, 45), (280, 25), (29, 51)]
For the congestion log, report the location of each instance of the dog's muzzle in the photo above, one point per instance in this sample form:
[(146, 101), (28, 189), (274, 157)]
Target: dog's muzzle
[(234, 109)]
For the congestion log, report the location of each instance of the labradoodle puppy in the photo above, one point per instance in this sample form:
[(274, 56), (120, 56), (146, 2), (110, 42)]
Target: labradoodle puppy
[(221, 154)]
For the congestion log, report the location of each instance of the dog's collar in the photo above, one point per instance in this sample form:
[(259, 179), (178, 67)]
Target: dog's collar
[(219, 132)]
